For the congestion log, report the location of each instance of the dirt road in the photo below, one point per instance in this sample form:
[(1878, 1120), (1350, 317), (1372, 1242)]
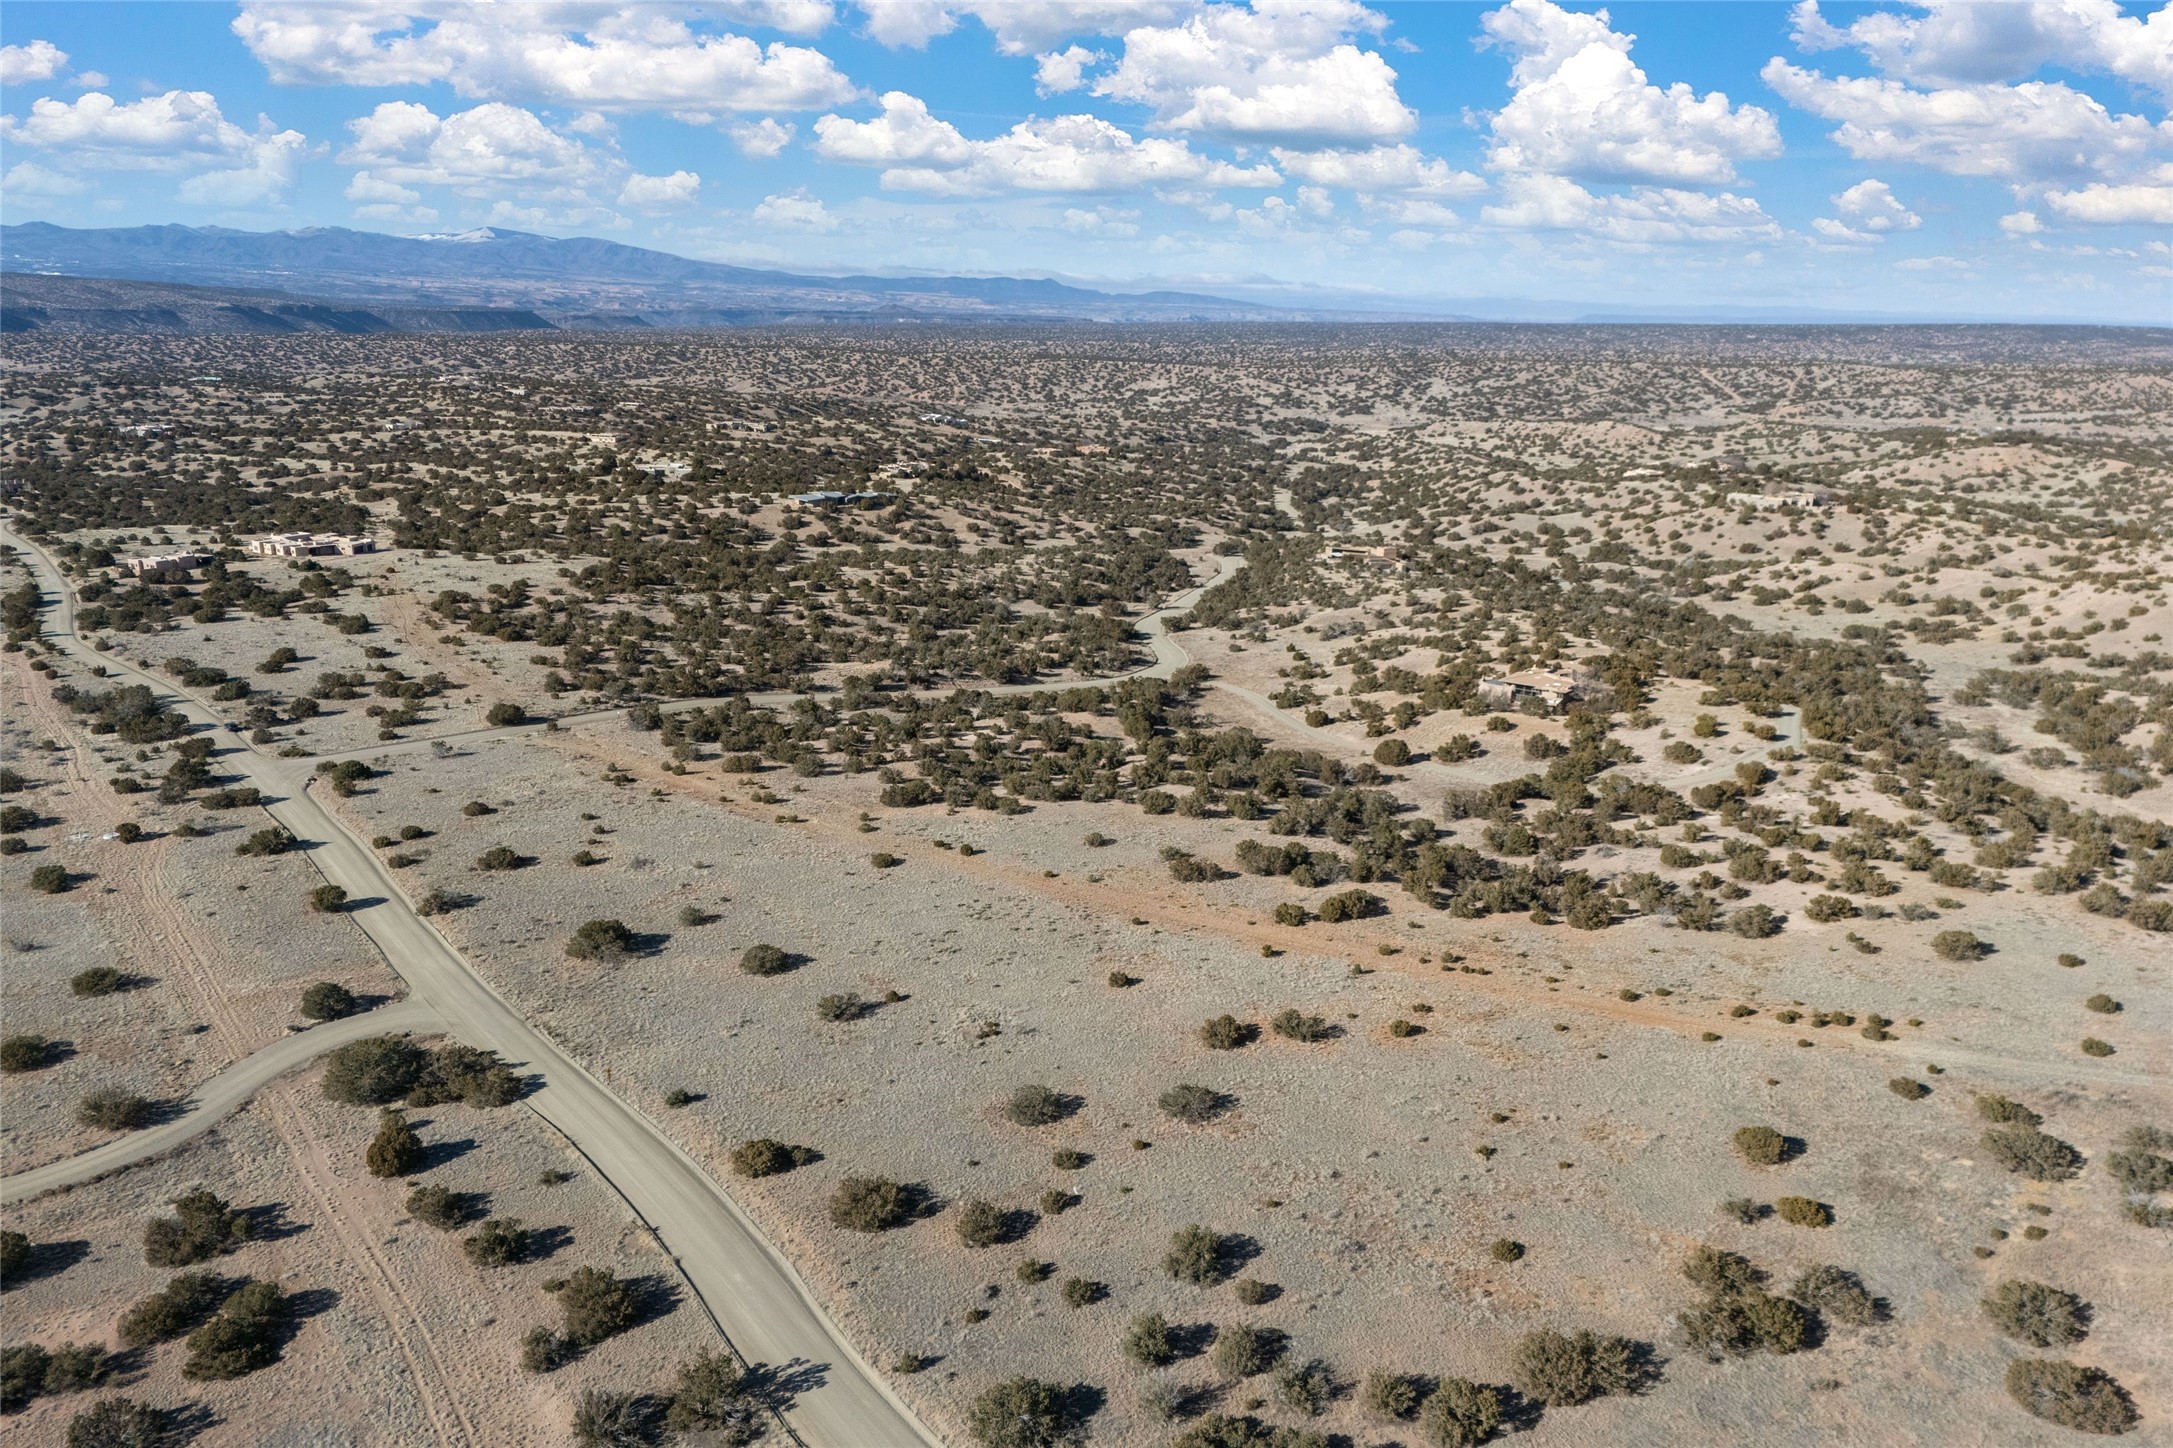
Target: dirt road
[(745, 1284)]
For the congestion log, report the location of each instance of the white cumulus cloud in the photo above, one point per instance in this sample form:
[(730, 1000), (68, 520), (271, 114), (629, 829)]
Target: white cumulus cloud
[(764, 140), (1646, 214), (1969, 42), (1581, 107), (919, 152), (656, 193), (22, 64), (1057, 71), (482, 151), (179, 131), (2039, 130), (1380, 168), (611, 57), (794, 210), (1866, 213), (1021, 27), (1277, 70), (2101, 205)]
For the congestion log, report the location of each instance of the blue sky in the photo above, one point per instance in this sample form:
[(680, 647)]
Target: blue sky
[(1963, 158)]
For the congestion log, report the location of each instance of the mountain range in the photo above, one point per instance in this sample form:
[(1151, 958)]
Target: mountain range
[(564, 282)]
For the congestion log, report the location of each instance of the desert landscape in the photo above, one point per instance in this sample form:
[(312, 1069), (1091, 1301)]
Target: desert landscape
[(1227, 889)]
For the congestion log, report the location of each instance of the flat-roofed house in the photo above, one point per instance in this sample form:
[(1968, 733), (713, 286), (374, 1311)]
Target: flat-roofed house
[(1552, 687), (166, 565)]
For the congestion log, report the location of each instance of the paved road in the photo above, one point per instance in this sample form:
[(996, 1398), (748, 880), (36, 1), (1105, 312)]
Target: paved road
[(746, 1285), (219, 1097)]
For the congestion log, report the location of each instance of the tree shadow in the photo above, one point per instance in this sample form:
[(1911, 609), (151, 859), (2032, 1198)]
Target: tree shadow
[(438, 1153), (544, 1243), (778, 1388), (187, 1422), (48, 1259), (1082, 1401), (1189, 1340), (655, 1297), (269, 1222), (1233, 1251)]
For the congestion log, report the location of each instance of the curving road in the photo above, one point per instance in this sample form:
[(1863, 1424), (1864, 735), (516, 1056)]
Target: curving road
[(746, 1285), (219, 1097)]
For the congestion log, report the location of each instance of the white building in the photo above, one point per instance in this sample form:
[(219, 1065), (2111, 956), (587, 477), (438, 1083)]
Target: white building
[(312, 545)]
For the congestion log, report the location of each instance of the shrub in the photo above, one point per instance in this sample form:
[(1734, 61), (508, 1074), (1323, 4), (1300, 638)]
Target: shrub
[(982, 1224), (1804, 1212), (99, 980), (2092, 1046), (2032, 1153), (884, 860), (764, 960), (2086, 1399), (374, 1072), (327, 1001), (603, 1419), (1392, 1395), (1505, 1250), (473, 1077), (1836, 1294), (607, 941), (2102, 1003), (14, 1256), (1350, 905), (476, 809), (499, 1242), (396, 1150), (1290, 912), (203, 1226), (1226, 1033), (1461, 1414), (243, 1337), (1196, 1255), (1147, 1341), (713, 1396), (1244, 1352), (765, 1157), (596, 1305), (1020, 1413), (1828, 908), (1253, 1292), (328, 899), (119, 1423), (1295, 1025), (2039, 1315), (49, 879), (173, 1310), (499, 857), (503, 714), (1308, 1387), (1083, 1291), (1994, 1107), (1067, 1159), (1194, 1105), (111, 1110), (1957, 945), (1037, 1106), (1908, 1089), (1392, 753), (845, 1006), (544, 1351), (1761, 1145), (1562, 1371), (22, 1375), (437, 1207), (868, 1204), (23, 1051)]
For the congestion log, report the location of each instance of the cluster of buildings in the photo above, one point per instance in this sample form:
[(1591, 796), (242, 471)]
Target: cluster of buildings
[(1385, 557), (1552, 687), (184, 561), (1805, 498), (826, 500), (312, 545)]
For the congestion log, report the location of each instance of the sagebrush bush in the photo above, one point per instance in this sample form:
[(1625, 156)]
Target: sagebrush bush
[(1803, 1212), (1243, 1351), (2086, 1399), (2037, 1314), (2030, 1152), (1562, 1370), (1461, 1414), (1192, 1104), (766, 1157), (868, 1204), (1196, 1255), (1037, 1106), (1147, 1341), (1761, 1145)]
